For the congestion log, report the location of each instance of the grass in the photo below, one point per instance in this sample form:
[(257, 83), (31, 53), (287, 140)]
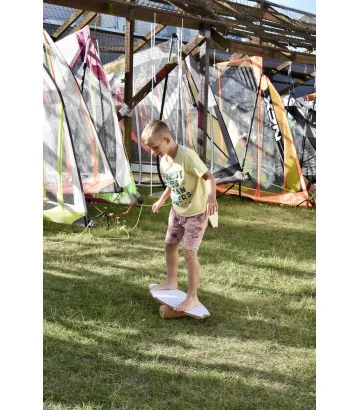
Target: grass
[(106, 347)]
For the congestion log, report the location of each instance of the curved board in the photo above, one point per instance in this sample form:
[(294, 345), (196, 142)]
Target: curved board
[(172, 297), (166, 312)]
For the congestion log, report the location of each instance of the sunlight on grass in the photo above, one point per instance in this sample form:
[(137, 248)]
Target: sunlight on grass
[(106, 347)]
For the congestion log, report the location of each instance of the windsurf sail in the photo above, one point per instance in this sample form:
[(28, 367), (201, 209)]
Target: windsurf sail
[(304, 134), (95, 172), (63, 196), (260, 132), (171, 100), (80, 51)]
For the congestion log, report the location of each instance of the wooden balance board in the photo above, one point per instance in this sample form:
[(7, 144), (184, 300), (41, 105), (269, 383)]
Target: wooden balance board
[(171, 298)]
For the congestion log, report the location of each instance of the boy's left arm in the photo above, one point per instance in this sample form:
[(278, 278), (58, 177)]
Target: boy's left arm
[(211, 204)]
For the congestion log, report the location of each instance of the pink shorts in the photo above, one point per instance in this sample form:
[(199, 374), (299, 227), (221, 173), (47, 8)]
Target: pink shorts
[(191, 228)]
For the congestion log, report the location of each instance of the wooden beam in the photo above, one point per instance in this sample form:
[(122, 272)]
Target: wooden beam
[(285, 19), (236, 56), (67, 23), (308, 77), (121, 8), (280, 67), (253, 49), (239, 10), (277, 36), (247, 17), (88, 17), (120, 61), (200, 10), (268, 3), (272, 25), (223, 16), (257, 39), (177, 8), (203, 95), (242, 13), (164, 71)]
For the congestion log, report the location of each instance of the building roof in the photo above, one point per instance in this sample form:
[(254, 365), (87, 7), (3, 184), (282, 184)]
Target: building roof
[(284, 36)]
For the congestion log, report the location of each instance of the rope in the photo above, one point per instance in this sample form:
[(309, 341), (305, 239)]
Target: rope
[(68, 239), (180, 62), (96, 18), (290, 77), (153, 73), (180, 111), (122, 228), (125, 111), (153, 44)]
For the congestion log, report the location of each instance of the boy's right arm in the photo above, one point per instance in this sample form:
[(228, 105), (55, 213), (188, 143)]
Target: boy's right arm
[(160, 202)]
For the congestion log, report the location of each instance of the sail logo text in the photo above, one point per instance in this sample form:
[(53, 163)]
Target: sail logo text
[(272, 118)]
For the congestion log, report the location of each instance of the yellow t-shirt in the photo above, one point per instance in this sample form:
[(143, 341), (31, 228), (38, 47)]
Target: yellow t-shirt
[(183, 175)]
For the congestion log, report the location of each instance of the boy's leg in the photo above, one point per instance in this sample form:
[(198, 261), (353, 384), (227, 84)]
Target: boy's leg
[(193, 268), (174, 235), (194, 231), (172, 260)]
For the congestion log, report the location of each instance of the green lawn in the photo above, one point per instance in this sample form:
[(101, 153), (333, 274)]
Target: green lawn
[(106, 347)]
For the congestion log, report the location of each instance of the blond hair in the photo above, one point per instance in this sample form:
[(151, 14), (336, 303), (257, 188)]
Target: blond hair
[(153, 130)]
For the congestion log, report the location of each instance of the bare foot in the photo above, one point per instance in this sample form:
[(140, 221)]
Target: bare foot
[(165, 286), (187, 304)]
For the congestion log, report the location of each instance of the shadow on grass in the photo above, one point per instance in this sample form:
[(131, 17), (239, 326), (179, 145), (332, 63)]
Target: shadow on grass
[(109, 367), (119, 376), (113, 299), (106, 346)]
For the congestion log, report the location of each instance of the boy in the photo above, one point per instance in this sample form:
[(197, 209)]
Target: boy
[(193, 195)]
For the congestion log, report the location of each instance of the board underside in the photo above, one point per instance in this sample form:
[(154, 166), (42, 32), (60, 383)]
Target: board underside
[(173, 297)]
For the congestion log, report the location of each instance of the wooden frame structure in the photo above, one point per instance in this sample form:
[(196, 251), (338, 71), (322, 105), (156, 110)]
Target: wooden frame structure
[(269, 30)]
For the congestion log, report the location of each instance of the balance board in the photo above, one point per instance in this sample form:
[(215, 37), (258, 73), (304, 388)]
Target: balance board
[(171, 298)]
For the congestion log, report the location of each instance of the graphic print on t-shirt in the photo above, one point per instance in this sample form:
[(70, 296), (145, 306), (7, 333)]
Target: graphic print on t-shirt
[(174, 178), (183, 175)]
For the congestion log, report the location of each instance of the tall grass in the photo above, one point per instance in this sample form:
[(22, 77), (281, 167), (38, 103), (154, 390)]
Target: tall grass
[(106, 347)]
